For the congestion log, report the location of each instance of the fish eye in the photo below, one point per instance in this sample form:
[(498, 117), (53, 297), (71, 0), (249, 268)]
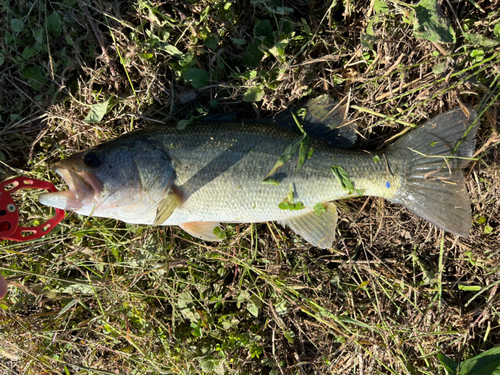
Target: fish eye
[(92, 160)]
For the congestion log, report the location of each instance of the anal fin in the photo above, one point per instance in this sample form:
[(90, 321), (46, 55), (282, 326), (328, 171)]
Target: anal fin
[(202, 229), (317, 230)]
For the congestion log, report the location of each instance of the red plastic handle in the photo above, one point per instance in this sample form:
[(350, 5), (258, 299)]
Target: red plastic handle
[(9, 213)]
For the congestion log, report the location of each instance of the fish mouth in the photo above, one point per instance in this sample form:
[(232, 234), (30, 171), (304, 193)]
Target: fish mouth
[(83, 189)]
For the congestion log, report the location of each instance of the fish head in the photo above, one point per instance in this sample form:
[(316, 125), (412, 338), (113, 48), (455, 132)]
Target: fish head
[(121, 180)]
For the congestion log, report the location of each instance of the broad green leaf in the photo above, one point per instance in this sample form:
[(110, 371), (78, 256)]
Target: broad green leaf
[(38, 35), (439, 68), (319, 209), (380, 6), (283, 11), (238, 42), (254, 310), (198, 78), (263, 30), (16, 25), (287, 154), (253, 55), (34, 76), (487, 363), (281, 307), (219, 233), (286, 205), (8, 38), (30, 51), (344, 179), (369, 28), (171, 50), (188, 60), (186, 308), (145, 55), (181, 125), (477, 39), (278, 50), (496, 30), (254, 94), (196, 330), (481, 220), (428, 274), (211, 365), (376, 159), (97, 112), (54, 25), (430, 23), (477, 54), (212, 41), (449, 364), (487, 229)]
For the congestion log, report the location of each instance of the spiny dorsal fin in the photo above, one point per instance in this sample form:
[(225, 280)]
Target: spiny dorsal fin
[(317, 230), (325, 119)]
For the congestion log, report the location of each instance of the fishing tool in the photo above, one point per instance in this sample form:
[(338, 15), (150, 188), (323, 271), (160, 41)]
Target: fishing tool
[(9, 212)]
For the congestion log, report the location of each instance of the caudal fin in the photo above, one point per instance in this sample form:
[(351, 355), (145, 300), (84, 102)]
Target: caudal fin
[(434, 185)]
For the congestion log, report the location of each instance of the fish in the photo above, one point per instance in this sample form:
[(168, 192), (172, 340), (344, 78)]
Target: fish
[(217, 171)]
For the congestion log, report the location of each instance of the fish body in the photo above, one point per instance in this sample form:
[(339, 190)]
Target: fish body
[(213, 172)]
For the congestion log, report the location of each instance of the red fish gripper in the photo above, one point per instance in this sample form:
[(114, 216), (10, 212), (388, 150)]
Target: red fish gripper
[(9, 212)]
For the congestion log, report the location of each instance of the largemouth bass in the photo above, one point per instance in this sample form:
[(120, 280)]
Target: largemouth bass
[(213, 172)]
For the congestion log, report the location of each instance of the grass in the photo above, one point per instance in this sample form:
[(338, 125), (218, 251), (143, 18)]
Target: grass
[(98, 296)]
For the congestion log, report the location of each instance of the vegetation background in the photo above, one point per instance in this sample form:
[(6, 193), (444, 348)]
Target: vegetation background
[(393, 296)]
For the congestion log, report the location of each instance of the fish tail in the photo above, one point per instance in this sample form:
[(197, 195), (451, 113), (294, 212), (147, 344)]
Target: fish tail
[(433, 157)]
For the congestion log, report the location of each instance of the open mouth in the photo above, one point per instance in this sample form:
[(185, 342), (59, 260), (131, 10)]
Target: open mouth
[(83, 188)]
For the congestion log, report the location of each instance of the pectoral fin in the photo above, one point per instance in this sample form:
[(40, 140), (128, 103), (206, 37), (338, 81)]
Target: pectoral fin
[(167, 205), (202, 229), (317, 230)]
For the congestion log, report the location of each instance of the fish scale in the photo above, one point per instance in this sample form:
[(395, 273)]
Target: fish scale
[(229, 188)]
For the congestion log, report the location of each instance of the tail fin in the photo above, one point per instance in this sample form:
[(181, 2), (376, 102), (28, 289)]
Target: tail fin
[(434, 185)]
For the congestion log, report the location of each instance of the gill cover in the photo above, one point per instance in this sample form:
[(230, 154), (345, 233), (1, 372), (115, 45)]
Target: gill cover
[(157, 176)]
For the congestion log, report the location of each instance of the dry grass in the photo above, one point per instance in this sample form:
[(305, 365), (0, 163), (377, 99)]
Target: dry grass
[(98, 296)]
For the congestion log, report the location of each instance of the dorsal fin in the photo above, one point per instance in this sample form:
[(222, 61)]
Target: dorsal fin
[(325, 119)]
